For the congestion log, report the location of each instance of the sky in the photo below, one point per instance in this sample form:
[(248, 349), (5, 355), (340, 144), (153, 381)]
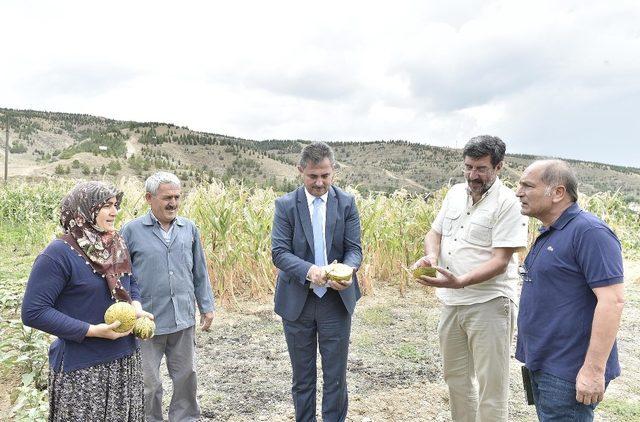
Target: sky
[(554, 78)]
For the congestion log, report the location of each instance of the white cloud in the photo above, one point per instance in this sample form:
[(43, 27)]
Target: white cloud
[(555, 78)]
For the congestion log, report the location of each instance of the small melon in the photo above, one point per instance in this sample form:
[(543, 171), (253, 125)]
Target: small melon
[(339, 272), (144, 328), (123, 312), (424, 271)]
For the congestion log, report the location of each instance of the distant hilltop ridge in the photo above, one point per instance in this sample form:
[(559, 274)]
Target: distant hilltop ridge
[(52, 144)]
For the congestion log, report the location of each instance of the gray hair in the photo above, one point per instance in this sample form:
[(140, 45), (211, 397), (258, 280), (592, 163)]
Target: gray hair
[(316, 152), (558, 173), (483, 145), (154, 181)]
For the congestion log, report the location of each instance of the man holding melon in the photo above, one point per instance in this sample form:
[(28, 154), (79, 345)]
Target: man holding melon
[(472, 244), (314, 225)]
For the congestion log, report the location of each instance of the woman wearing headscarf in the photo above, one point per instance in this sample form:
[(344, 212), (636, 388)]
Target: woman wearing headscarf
[(95, 372)]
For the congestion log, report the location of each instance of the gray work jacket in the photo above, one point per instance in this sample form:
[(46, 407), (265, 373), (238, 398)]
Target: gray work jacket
[(172, 276)]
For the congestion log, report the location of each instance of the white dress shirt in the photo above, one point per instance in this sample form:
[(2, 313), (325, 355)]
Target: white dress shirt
[(323, 210)]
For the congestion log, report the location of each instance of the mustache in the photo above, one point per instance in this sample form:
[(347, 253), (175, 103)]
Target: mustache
[(475, 180)]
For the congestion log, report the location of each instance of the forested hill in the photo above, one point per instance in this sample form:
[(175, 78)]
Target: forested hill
[(45, 144)]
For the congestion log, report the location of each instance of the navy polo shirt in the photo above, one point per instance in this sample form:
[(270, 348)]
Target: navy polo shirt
[(577, 253)]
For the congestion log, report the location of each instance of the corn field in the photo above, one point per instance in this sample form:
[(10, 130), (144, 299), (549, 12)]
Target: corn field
[(235, 225)]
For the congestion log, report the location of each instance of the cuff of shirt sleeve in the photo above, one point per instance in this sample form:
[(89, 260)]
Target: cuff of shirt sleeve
[(508, 245), (607, 282), (205, 309), (82, 333)]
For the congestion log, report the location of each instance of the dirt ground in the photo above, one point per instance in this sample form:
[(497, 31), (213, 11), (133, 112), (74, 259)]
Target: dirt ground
[(394, 369)]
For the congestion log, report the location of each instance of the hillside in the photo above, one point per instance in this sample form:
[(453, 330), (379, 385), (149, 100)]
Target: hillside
[(47, 144)]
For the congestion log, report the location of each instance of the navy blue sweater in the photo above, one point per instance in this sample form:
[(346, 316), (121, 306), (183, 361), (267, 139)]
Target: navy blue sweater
[(63, 297)]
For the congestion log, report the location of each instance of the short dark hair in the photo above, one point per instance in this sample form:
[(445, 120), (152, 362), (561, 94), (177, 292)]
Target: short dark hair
[(315, 153), (481, 146), (558, 172)]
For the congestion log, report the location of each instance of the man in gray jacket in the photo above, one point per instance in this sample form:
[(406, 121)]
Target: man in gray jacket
[(316, 224), (169, 264)]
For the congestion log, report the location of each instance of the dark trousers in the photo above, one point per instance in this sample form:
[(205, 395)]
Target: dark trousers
[(325, 324)]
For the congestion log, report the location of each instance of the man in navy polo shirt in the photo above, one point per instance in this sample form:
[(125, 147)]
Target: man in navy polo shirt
[(572, 297)]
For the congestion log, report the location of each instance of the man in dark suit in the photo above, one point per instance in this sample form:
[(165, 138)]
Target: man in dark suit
[(314, 225)]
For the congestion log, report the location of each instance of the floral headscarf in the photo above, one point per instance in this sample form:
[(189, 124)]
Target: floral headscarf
[(106, 252)]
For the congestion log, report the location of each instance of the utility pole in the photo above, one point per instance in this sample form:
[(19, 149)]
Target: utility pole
[(6, 147)]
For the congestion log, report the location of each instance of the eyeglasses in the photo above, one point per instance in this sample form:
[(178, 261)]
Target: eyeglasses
[(481, 170), (524, 274)]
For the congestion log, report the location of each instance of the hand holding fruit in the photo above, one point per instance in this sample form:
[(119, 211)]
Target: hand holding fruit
[(424, 270), (141, 312), (123, 318), (426, 273), (339, 276), (144, 328), (107, 331), (317, 275), (427, 261)]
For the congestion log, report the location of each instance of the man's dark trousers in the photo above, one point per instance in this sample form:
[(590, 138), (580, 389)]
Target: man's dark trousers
[(308, 320), (324, 322)]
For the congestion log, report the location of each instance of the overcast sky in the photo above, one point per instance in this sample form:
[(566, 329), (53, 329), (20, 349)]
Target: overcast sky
[(559, 78)]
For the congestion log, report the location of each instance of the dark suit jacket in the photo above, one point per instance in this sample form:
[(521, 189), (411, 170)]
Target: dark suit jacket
[(292, 247)]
